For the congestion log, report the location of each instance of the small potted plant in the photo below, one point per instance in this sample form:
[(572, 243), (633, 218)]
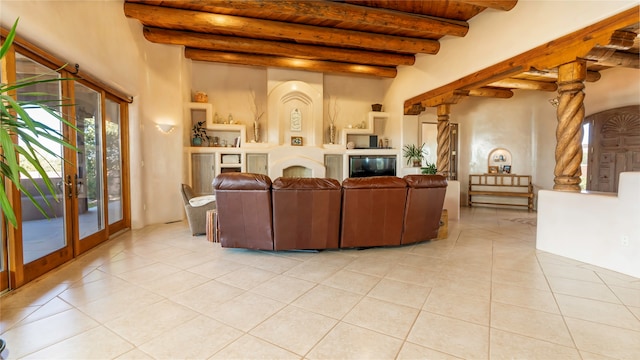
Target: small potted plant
[(414, 154), (200, 136), (429, 169)]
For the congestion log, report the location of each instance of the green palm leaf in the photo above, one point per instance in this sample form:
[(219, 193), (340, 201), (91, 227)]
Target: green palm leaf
[(16, 123)]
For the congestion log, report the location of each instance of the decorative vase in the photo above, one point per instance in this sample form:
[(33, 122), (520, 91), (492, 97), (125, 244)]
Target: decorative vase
[(332, 134), (256, 131), (196, 141), (417, 163)]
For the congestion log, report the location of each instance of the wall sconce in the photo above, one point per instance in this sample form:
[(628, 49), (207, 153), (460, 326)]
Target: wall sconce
[(165, 128)]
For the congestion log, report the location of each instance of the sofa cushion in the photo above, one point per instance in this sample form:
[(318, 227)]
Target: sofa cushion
[(305, 184), (374, 182), (306, 213), (372, 211), (244, 210), (425, 198), (241, 181), (426, 181)]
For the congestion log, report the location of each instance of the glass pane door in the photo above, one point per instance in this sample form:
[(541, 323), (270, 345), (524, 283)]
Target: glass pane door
[(88, 182), (42, 235), (74, 218), (114, 162)]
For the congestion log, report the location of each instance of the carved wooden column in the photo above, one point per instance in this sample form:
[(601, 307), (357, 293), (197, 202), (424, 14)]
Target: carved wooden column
[(570, 115), (444, 140)]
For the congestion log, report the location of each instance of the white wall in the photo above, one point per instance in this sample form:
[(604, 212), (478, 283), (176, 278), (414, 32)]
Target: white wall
[(110, 47), (228, 87), (596, 228), (354, 98)]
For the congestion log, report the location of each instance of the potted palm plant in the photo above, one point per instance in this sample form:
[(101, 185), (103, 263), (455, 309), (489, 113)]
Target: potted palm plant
[(23, 137), (414, 154)]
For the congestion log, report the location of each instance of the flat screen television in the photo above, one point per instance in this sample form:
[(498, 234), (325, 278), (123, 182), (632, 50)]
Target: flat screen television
[(372, 165)]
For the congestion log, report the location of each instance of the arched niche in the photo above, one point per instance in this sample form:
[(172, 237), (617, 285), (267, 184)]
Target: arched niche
[(498, 159), (298, 101)]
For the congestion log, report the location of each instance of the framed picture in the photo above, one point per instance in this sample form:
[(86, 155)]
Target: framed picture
[(506, 169), (296, 140), (493, 169)]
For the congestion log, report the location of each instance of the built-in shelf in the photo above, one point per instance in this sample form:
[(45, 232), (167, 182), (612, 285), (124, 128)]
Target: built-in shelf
[(372, 117), (227, 133), (205, 108), (227, 127)]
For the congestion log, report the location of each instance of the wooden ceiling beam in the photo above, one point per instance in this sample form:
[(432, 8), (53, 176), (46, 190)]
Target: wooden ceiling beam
[(614, 53), (522, 84), (452, 97), (622, 40), (281, 62), (197, 21), (274, 48), (592, 76), (615, 59), (416, 109), (456, 96), (491, 92), (504, 5), (326, 10), (470, 82), (567, 49), (550, 55)]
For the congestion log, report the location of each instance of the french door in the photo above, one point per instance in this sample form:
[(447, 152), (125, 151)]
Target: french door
[(90, 201)]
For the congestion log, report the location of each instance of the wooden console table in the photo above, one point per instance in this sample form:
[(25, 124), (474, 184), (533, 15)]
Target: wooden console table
[(488, 189)]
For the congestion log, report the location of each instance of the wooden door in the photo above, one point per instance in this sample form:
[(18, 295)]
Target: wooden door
[(614, 146)]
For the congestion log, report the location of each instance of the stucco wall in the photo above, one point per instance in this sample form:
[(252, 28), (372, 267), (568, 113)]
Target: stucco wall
[(597, 228), (228, 87)]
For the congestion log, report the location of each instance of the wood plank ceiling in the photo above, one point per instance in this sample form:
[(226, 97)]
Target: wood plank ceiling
[(372, 37)]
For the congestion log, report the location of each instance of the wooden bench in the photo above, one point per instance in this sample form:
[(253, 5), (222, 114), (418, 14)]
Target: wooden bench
[(491, 187)]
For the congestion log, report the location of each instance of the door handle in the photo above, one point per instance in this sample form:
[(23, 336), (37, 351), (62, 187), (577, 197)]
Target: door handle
[(79, 186), (69, 185)]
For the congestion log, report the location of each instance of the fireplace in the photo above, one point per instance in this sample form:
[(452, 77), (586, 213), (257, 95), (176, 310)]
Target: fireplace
[(297, 171), (295, 166)]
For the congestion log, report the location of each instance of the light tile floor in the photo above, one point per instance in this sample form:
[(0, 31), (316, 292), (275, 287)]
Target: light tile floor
[(485, 292)]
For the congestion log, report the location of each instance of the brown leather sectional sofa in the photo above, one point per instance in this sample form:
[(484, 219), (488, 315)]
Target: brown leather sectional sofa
[(319, 213)]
